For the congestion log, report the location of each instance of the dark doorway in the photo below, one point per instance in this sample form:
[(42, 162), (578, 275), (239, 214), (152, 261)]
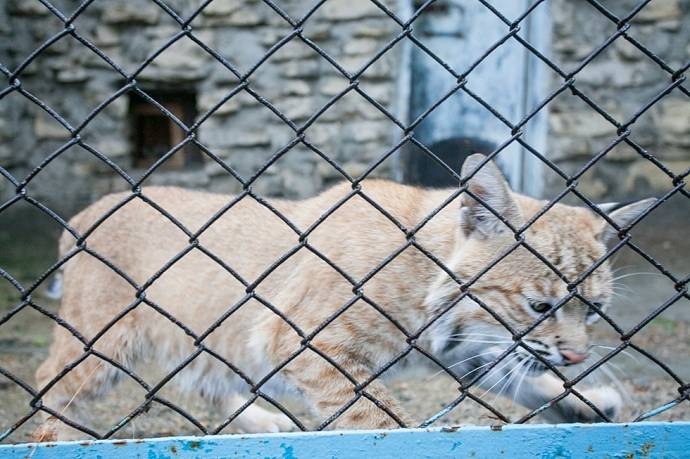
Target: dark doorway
[(420, 169)]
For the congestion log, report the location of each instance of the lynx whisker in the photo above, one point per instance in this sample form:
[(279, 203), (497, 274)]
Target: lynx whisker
[(625, 297), (606, 369), (466, 340), (516, 371), (624, 276), (454, 335), (477, 369), (622, 288), (615, 380), (463, 361), (528, 367), (620, 268), (628, 354), (508, 373)]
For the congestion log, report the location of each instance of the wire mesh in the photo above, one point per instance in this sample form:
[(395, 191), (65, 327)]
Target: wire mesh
[(361, 388)]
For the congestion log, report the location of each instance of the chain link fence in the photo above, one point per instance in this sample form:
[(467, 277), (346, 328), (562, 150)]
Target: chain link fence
[(361, 388)]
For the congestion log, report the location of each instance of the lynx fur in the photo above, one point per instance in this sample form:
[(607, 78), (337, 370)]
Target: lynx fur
[(412, 288)]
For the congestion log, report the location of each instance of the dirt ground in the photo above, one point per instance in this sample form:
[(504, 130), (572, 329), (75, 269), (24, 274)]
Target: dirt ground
[(24, 339)]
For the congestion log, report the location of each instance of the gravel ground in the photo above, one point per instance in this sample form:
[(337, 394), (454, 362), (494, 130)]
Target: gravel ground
[(422, 395), (24, 340)]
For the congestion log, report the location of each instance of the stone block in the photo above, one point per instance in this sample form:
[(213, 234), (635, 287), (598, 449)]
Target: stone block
[(113, 146), (273, 35), (644, 177), (627, 50), (222, 7), (609, 72), (674, 116), (672, 25), (320, 32), (622, 153), (130, 13), (367, 131), (354, 168), (243, 16), (296, 108), (659, 10), (294, 49), (347, 10), (118, 108), (594, 188), (92, 60), (188, 178), (225, 184), (322, 134), (583, 123), (377, 30), (6, 127), (6, 155), (380, 69), (330, 86), (300, 184), (234, 138), (209, 99), (381, 92), (25, 8), (296, 88), (105, 36), (678, 151), (46, 127), (361, 46), (301, 69), (567, 147), (75, 74), (327, 172), (182, 61)]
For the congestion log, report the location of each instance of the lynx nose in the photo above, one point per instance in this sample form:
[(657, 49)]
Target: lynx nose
[(571, 357)]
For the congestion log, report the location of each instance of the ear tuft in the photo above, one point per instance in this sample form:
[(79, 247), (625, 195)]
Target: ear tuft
[(622, 216), (490, 187)]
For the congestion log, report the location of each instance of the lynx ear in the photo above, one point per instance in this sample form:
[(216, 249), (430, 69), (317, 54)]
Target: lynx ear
[(489, 186), (621, 216)]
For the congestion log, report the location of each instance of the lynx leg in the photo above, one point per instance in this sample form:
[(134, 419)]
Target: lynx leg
[(328, 391), (538, 390), (90, 378), (255, 419)]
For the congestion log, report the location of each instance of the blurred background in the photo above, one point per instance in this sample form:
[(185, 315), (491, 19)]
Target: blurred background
[(567, 79)]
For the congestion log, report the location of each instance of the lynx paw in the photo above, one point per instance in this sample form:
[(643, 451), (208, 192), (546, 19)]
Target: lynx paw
[(255, 419), (46, 432), (607, 399), (572, 409)]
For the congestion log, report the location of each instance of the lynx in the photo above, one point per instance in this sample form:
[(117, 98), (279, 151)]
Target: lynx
[(232, 297)]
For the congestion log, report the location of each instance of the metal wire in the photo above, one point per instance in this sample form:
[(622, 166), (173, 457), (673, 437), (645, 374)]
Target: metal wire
[(405, 31)]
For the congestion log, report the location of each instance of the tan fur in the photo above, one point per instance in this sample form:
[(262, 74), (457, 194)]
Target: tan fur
[(249, 238)]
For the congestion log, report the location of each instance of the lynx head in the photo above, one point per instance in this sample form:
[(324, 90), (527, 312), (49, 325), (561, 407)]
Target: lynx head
[(518, 289)]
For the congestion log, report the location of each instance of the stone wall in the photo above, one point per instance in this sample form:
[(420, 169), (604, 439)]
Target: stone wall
[(74, 80), (622, 79)]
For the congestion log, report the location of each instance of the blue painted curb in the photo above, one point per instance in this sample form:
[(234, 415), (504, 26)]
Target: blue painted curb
[(571, 441)]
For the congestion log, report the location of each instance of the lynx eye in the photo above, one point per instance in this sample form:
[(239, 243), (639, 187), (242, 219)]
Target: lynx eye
[(540, 306)]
